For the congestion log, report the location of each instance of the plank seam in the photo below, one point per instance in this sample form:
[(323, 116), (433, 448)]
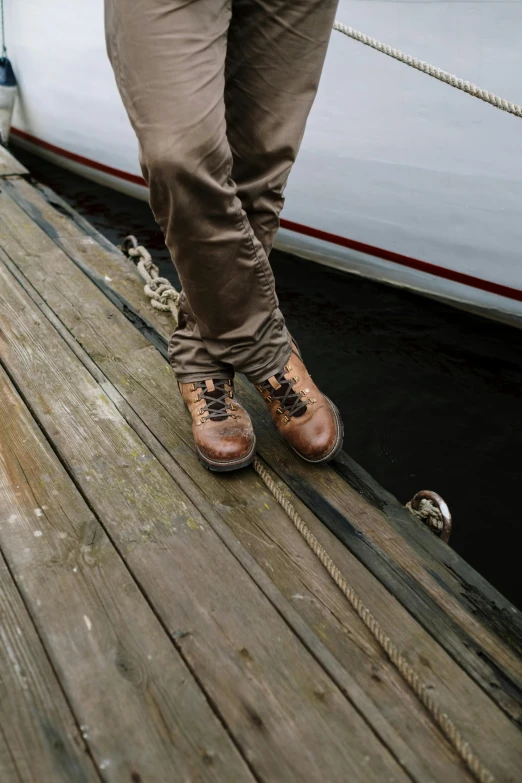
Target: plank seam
[(355, 476), (170, 638), (395, 573), (75, 720), (5, 743), (178, 649), (280, 604), (346, 468)]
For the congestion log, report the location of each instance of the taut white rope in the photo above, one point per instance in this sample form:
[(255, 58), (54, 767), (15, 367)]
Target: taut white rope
[(431, 70)]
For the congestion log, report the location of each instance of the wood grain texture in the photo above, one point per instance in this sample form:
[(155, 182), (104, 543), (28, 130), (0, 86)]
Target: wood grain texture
[(287, 715), (476, 625), (9, 164), (39, 739), (141, 710), (359, 668), (8, 768), (146, 382)]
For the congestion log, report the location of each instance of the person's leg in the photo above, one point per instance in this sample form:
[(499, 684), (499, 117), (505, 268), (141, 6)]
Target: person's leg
[(168, 58), (276, 51), (187, 353), (275, 57), (169, 61)]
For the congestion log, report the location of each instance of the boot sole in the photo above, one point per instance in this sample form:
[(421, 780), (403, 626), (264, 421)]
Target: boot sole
[(338, 441), (228, 465)]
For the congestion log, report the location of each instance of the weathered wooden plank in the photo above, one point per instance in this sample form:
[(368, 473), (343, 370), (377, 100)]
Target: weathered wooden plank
[(147, 383), (285, 713), (142, 712), (39, 739), (457, 576), (490, 653), (7, 763), (384, 700), (90, 249), (420, 580), (401, 552), (9, 164), (87, 247)]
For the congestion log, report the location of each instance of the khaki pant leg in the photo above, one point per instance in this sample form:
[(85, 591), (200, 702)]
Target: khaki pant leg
[(275, 58), (169, 60)]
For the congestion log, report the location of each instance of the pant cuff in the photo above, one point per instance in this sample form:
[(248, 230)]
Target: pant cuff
[(271, 368), (198, 377)]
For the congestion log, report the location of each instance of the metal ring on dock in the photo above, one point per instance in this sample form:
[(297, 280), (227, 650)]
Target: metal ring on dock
[(440, 513)]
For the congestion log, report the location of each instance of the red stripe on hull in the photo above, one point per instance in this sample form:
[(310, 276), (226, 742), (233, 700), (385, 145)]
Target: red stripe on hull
[(315, 233), (91, 164), (411, 263)]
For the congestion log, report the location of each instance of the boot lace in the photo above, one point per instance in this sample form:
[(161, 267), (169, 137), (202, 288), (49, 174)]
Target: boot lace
[(218, 405), (291, 401)]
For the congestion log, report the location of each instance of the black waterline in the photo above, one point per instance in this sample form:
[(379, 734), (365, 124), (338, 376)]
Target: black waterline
[(430, 395)]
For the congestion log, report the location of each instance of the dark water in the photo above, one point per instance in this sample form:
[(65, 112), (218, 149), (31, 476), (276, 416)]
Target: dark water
[(431, 396)]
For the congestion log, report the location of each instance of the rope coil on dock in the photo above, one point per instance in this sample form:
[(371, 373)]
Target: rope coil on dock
[(165, 301), (163, 296), (431, 70)]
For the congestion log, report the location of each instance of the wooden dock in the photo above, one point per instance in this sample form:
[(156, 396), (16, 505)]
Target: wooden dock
[(162, 623)]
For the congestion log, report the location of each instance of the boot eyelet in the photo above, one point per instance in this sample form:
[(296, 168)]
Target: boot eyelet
[(269, 399), (287, 419), (280, 410), (295, 378), (288, 368)]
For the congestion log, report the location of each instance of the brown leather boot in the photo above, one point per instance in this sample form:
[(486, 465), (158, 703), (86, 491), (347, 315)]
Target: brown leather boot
[(307, 420), (221, 427)]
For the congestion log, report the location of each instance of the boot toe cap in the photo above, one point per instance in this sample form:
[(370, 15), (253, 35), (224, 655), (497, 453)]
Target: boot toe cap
[(321, 437), (231, 444)]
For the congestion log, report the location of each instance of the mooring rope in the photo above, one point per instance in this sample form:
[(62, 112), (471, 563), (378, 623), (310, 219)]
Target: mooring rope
[(431, 70), (163, 296), (147, 269), (428, 513), (408, 673), (3, 52)]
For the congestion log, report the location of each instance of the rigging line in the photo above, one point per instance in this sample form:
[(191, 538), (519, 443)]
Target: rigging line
[(431, 70), (4, 47)]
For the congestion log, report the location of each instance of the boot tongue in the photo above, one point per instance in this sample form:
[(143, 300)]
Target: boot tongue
[(284, 385), (218, 408)]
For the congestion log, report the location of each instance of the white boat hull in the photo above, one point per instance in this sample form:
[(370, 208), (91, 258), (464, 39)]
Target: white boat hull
[(400, 178)]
